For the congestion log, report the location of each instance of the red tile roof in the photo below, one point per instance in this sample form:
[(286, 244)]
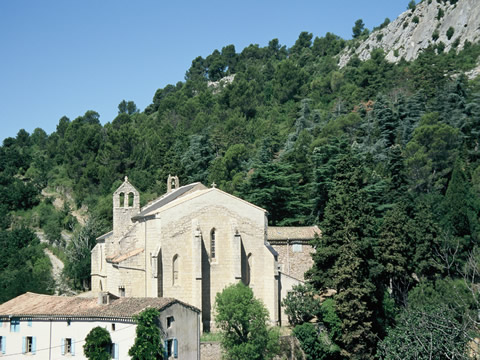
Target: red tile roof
[(39, 306)]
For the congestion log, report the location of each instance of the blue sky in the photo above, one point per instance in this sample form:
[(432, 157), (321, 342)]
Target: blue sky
[(64, 57)]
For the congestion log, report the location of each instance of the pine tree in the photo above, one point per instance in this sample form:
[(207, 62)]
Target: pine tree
[(344, 258)]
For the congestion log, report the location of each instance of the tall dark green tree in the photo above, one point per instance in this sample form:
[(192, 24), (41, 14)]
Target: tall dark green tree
[(344, 258)]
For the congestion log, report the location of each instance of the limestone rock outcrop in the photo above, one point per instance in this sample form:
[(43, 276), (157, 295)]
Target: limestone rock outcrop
[(415, 30)]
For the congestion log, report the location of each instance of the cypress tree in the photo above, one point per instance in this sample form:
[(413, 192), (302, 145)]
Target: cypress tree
[(344, 258)]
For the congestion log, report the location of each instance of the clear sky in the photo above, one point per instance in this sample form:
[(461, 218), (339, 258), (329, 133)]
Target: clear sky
[(64, 57)]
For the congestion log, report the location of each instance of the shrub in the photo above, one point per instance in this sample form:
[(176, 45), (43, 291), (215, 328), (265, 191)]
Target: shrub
[(242, 320), (301, 305), (98, 344), (450, 32)]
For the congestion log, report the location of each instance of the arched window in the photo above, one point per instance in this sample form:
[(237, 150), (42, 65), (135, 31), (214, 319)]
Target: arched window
[(131, 197), (175, 270), (121, 198), (212, 244)]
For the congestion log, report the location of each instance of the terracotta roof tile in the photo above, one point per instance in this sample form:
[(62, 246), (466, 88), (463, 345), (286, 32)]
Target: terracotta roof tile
[(38, 305)]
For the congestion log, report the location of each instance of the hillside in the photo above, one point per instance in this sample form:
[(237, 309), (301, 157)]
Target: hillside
[(382, 155), (447, 24)]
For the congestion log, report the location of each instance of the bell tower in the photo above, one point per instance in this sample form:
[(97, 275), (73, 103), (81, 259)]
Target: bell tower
[(126, 203)]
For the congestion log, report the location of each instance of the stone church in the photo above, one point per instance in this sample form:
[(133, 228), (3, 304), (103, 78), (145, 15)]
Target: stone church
[(192, 242)]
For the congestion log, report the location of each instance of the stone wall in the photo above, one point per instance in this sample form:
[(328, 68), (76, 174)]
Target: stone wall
[(294, 258)]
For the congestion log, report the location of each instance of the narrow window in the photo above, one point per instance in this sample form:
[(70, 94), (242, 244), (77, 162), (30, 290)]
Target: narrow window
[(69, 322), (3, 343), (114, 351), (113, 327), (212, 244), (15, 325), (68, 346), (175, 270), (29, 345), (131, 197), (121, 291), (29, 322), (170, 320), (121, 197)]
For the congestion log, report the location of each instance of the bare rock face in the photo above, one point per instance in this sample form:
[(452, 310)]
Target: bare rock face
[(431, 22)]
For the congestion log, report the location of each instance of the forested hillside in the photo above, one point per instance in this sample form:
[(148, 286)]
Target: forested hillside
[(383, 157)]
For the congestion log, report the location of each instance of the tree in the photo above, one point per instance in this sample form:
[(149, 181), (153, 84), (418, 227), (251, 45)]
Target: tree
[(344, 259), (98, 344), (147, 345), (358, 28), (429, 334), (316, 346), (301, 305), (242, 319), (78, 251), (411, 5)]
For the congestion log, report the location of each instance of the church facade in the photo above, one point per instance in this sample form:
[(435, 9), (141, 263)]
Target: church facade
[(191, 243)]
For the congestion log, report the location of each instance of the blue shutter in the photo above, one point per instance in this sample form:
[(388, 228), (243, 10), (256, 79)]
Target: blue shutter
[(165, 349), (116, 352), (24, 345), (62, 345), (4, 344), (34, 344), (73, 346), (30, 322), (175, 348)]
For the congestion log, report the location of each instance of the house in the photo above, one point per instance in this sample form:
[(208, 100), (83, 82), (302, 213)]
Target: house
[(191, 243), (35, 326)]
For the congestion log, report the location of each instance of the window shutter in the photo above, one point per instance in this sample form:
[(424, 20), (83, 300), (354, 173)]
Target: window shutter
[(165, 349), (175, 348), (34, 344), (24, 344), (4, 344), (62, 345), (30, 322), (116, 352), (73, 347)]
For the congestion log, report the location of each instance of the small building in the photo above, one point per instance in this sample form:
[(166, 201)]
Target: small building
[(35, 326)]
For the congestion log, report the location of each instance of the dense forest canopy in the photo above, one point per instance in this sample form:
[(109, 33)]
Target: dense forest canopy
[(383, 157)]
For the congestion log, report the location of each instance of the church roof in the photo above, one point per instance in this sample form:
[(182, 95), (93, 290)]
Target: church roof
[(276, 233), (33, 305), (165, 199), (198, 193)]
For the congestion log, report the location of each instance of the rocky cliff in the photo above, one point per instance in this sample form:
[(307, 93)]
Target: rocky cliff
[(431, 22)]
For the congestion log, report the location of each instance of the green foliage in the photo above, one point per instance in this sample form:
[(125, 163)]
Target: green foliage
[(404, 212), (148, 344), (440, 13), (97, 344), (78, 252), (429, 334), (411, 5), (315, 345), (358, 29), (301, 304), (450, 32), (24, 266), (242, 319), (416, 19)]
